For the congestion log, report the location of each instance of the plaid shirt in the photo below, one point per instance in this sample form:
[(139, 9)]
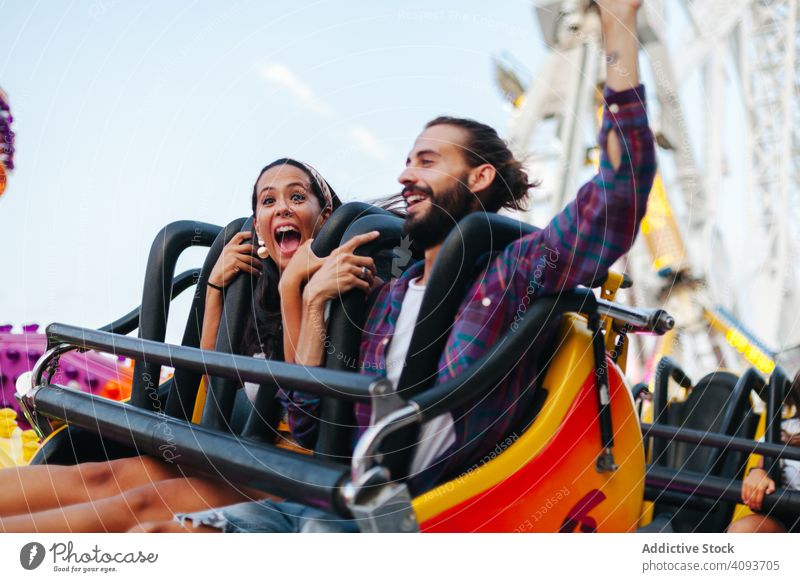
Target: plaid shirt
[(576, 248)]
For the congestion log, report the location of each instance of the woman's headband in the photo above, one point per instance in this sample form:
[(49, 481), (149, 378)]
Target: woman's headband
[(324, 187)]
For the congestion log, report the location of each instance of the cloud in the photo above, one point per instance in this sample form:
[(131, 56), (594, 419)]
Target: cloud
[(366, 141), (361, 137), (281, 75)]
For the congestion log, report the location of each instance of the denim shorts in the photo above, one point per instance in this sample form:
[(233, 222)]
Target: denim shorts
[(269, 516)]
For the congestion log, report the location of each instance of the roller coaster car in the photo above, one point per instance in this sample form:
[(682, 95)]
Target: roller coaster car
[(178, 397), (576, 466), (701, 444)]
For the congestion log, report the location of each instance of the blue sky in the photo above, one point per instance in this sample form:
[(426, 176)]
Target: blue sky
[(131, 115)]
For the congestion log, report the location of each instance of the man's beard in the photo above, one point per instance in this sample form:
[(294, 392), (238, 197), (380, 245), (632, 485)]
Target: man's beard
[(446, 209)]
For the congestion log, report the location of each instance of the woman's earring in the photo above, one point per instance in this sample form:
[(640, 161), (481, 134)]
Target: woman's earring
[(262, 251)]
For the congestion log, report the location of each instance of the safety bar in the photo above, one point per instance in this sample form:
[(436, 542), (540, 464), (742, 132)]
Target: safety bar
[(665, 370), (318, 381), (182, 394), (236, 310), (702, 485), (714, 439), (347, 319), (679, 498), (776, 394), (297, 477), (476, 236), (167, 247), (738, 403), (482, 375)]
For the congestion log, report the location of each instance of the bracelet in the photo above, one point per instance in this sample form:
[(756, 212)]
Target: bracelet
[(217, 287)]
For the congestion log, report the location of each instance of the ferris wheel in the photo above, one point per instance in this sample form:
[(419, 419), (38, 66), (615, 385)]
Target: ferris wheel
[(746, 54)]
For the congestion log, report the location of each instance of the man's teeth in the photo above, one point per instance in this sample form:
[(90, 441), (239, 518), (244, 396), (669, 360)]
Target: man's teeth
[(414, 198), (282, 229)]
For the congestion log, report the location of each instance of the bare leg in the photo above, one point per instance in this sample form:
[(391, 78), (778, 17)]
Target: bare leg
[(756, 524), (149, 503), (171, 527), (36, 488)]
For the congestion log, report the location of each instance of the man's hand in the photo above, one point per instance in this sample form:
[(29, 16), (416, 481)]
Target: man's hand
[(755, 486)]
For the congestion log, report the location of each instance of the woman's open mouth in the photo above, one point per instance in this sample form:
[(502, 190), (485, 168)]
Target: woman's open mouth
[(287, 237)]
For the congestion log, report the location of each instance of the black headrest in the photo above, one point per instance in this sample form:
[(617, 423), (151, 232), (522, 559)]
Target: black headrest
[(454, 270)]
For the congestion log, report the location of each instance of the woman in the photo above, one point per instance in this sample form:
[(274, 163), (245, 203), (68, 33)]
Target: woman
[(290, 202), (758, 483)]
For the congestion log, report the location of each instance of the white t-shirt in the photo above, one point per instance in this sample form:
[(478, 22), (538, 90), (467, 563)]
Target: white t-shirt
[(436, 435), (251, 388), (791, 468)]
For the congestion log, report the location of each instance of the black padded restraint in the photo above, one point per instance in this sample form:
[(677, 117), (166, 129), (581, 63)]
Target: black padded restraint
[(347, 317), (453, 272)]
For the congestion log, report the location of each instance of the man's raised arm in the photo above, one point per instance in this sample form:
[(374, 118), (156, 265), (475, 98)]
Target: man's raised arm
[(594, 230)]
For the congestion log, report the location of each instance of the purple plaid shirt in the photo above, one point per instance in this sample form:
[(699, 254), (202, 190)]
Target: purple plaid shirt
[(578, 246)]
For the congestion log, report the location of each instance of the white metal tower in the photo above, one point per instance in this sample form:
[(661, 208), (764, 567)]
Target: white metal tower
[(742, 50)]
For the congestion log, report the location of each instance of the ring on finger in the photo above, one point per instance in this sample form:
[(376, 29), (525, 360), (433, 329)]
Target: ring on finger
[(365, 273), (236, 269)]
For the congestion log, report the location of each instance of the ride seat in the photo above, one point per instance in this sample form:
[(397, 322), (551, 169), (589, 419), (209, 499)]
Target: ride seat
[(545, 478), (718, 403)]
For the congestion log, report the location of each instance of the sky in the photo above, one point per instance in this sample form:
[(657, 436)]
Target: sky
[(130, 115)]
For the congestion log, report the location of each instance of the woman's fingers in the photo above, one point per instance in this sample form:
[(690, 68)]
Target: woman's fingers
[(254, 262), (236, 256), (364, 262), (757, 498), (765, 486), (246, 266), (356, 282), (363, 273), (359, 240), (239, 238), (243, 249), (348, 260)]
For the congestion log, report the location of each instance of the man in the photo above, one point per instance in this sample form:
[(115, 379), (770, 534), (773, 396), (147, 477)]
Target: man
[(455, 167), (459, 166)]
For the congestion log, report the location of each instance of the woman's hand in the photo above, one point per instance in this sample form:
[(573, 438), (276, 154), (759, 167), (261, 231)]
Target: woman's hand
[(302, 266), (755, 486), (342, 271), (236, 256)]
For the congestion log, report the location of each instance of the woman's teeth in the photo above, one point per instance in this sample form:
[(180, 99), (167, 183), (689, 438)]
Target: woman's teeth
[(288, 238)]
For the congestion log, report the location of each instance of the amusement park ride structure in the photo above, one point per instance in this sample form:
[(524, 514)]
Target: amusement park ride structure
[(683, 262)]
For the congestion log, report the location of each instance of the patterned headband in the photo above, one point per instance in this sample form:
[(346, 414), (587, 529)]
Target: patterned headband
[(327, 193)]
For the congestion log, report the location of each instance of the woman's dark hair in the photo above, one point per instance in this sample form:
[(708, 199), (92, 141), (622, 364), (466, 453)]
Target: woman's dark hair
[(264, 331), (511, 184), (793, 396)]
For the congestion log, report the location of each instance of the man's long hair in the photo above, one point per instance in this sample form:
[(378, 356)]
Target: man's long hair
[(511, 184)]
